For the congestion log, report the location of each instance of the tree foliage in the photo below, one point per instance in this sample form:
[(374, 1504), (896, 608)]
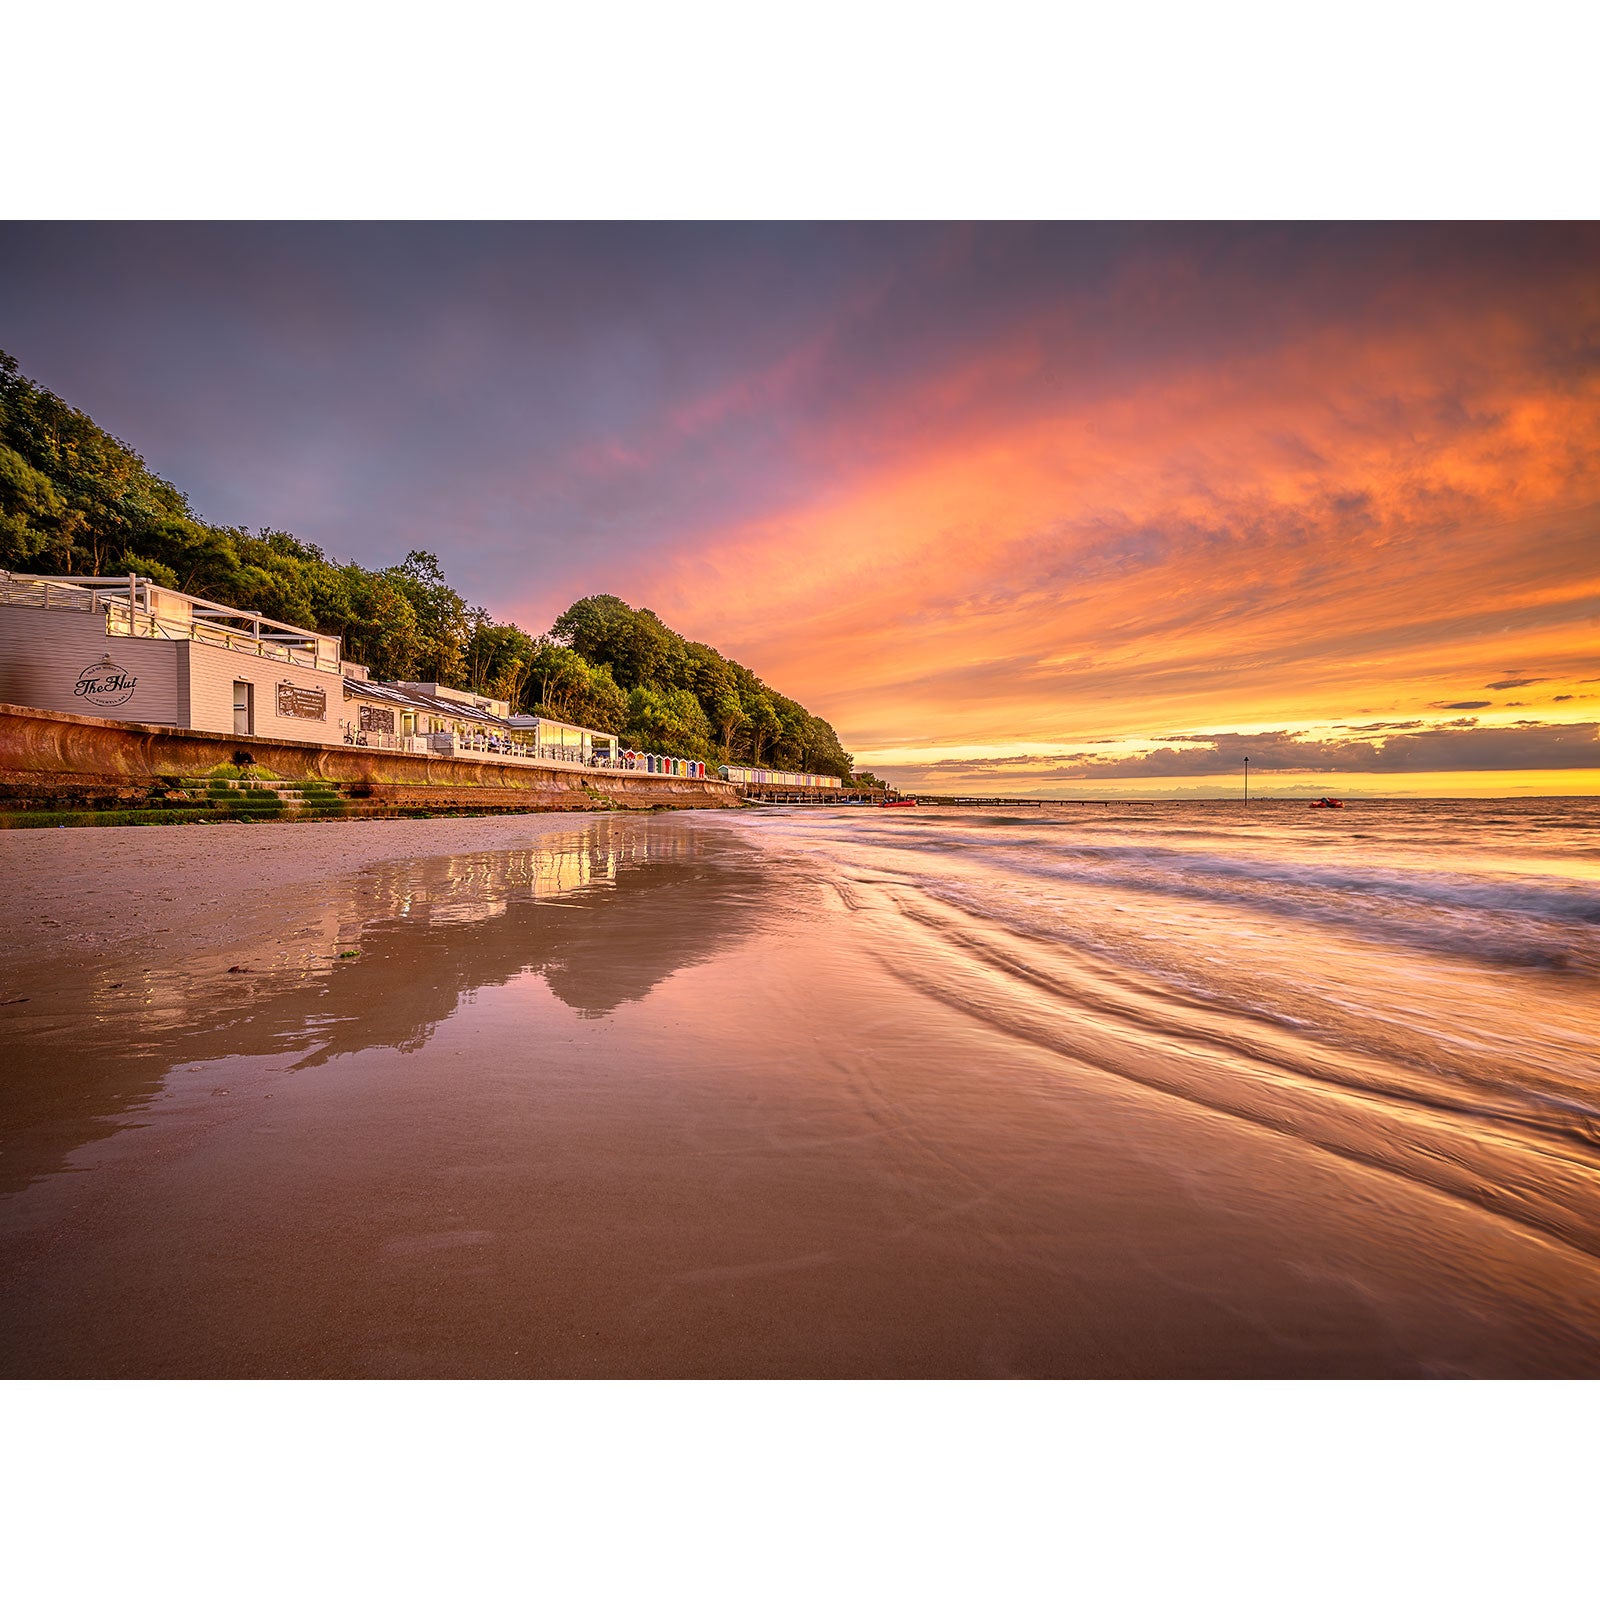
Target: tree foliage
[(687, 699), (570, 689), (76, 501)]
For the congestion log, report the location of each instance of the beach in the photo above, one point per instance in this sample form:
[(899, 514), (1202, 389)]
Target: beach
[(835, 1094)]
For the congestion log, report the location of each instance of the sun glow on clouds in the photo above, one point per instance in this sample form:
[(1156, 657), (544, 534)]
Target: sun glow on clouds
[(970, 492), (1372, 514)]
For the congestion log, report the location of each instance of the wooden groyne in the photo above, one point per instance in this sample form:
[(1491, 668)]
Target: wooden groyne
[(56, 766)]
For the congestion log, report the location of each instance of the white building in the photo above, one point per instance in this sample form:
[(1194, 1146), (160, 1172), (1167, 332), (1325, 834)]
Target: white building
[(432, 718), (130, 650)]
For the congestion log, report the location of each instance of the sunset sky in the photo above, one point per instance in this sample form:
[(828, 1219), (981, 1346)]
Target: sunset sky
[(1053, 509)]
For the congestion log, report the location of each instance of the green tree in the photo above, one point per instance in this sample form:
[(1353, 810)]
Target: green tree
[(669, 722), (441, 614), (35, 524), (500, 658), (634, 644), (561, 684), (382, 632), (763, 727)]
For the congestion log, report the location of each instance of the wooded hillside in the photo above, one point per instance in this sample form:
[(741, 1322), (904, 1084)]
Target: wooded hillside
[(73, 499)]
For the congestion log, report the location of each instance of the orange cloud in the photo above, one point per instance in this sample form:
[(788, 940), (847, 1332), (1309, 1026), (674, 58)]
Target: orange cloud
[(1368, 515)]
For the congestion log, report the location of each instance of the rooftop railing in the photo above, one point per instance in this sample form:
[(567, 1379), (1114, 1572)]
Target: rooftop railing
[(48, 594), (130, 608)]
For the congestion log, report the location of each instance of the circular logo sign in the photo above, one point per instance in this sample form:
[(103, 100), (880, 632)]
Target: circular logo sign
[(105, 685)]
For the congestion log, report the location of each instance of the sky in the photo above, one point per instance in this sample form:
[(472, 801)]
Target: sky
[(1060, 509)]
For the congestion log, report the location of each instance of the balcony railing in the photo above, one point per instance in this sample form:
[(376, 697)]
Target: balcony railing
[(129, 607), (371, 739), (499, 745), (122, 622)]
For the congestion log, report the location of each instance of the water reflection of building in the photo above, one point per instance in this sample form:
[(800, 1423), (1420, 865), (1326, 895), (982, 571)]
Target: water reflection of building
[(604, 914), (631, 902), (465, 889)]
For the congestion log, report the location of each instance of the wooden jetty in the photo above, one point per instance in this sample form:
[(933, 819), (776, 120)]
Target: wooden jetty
[(787, 794)]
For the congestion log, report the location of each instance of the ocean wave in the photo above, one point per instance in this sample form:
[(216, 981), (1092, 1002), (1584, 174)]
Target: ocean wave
[(1306, 888), (1515, 1138), (1188, 872)]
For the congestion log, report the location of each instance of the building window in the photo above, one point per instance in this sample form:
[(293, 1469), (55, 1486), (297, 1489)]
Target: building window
[(244, 707)]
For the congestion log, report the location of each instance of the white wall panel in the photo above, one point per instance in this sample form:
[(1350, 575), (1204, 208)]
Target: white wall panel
[(212, 671), (46, 655)]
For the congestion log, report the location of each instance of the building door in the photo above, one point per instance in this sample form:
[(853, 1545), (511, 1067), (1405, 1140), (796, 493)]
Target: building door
[(244, 707)]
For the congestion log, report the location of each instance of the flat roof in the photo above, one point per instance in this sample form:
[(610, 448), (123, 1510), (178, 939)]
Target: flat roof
[(525, 717), (397, 694), (416, 700)]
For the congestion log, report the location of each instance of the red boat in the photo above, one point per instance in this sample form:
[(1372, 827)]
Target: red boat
[(1326, 805), (897, 802)]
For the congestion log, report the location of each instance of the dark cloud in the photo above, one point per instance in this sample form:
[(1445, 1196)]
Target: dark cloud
[(563, 398), (1514, 683), (1461, 746), (1461, 705), (984, 763), (1561, 697)]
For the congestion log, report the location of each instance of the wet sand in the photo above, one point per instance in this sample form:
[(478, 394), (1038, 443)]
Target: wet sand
[(641, 1096), (165, 893)]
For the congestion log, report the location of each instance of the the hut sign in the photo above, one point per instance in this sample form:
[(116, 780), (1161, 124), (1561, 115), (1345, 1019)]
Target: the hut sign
[(293, 701), (105, 685), (376, 719)]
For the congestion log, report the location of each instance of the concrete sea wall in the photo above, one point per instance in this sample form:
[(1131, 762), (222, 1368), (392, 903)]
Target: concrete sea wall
[(55, 761)]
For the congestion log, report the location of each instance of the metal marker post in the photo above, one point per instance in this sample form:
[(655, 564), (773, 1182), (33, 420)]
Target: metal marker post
[(1247, 780)]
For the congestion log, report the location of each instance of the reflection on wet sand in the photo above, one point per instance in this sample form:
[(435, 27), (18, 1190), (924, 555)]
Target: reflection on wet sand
[(603, 915)]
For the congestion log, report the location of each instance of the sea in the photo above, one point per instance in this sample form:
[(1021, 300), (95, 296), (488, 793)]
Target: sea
[(1410, 984)]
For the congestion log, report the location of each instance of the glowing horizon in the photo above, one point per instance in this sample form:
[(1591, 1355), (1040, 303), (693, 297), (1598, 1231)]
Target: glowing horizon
[(1052, 509)]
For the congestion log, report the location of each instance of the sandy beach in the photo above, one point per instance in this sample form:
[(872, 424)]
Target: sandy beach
[(669, 1096)]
